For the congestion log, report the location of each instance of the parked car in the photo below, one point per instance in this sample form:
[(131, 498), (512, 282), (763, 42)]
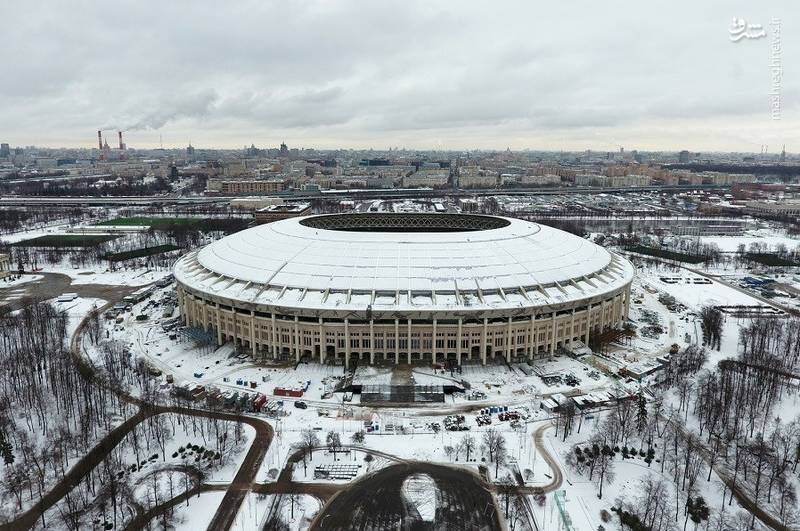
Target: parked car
[(300, 405)]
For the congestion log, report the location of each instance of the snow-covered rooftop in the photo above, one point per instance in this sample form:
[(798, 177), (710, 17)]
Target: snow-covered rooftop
[(514, 263)]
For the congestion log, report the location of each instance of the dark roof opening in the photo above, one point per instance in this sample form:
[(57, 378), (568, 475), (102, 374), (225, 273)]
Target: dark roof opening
[(391, 222)]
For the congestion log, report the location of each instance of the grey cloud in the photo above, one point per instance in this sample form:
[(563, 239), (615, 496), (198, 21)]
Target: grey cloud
[(351, 72)]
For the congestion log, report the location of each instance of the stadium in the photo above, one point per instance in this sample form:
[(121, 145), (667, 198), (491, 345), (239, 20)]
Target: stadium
[(403, 288)]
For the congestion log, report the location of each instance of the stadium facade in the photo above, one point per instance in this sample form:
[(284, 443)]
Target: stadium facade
[(402, 288)]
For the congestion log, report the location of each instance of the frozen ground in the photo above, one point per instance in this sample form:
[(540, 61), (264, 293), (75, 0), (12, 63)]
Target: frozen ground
[(502, 384), (16, 289), (78, 309), (582, 502), (259, 509), (691, 293), (197, 511), (100, 274), (730, 244)]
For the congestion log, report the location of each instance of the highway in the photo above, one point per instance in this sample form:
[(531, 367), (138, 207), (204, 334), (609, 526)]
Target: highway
[(400, 193)]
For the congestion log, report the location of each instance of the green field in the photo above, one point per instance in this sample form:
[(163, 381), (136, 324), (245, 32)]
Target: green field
[(663, 253), (139, 253), (770, 259), (177, 224), (66, 240)]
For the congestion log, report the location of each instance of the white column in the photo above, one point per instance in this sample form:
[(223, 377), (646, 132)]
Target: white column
[(483, 340), (346, 344), (572, 327), (627, 304), (219, 325), (296, 340), (397, 341), (532, 340), (458, 343), (409, 341), (508, 341), (323, 342), (253, 331), (588, 322), (182, 305), (274, 338), (553, 336), (433, 343), (371, 342)]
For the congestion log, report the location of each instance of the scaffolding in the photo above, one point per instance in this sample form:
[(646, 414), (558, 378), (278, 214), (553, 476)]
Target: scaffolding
[(371, 393), (206, 340)]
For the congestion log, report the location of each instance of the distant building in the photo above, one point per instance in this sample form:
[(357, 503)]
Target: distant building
[(5, 262), (726, 179), (254, 202), (375, 162), (790, 207), (433, 178), (683, 156), (540, 180), (468, 204), (482, 179), (46, 163), (613, 181), (244, 186), (5, 151), (282, 211)]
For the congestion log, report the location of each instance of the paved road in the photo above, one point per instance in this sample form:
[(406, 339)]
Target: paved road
[(75, 474), (54, 284), (741, 496), (376, 501), (245, 477), (558, 477), (399, 193)]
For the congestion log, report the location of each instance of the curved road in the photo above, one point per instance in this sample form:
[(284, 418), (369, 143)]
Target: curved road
[(236, 492), (244, 481), (741, 496), (377, 502), (558, 477)]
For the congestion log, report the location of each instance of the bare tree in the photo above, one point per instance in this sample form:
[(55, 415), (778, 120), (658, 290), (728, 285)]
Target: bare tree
[(491, 441), (334, 442), (468, 442)]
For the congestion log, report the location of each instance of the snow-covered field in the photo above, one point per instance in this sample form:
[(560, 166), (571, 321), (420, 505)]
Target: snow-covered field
[(412, 435), (197, 511), (691, 293), (730, 244)]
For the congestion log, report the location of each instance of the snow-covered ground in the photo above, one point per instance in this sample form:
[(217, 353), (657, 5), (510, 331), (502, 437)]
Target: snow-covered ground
[(730, 244), (257, 509), (78, 309), (17, 288), (197, 511), (413, 436)]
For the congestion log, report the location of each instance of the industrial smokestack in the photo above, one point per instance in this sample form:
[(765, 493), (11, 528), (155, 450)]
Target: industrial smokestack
[(121, 147)]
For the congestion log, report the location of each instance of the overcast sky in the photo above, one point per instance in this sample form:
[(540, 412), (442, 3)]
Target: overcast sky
[(456, 75)]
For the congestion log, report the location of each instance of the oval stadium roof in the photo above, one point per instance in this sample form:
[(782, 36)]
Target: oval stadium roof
[(403, 261)]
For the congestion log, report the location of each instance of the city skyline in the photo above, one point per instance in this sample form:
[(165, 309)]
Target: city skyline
[(413, 75)]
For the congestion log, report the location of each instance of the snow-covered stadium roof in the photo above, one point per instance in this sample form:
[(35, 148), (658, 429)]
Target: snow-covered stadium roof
[(403, 262)]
